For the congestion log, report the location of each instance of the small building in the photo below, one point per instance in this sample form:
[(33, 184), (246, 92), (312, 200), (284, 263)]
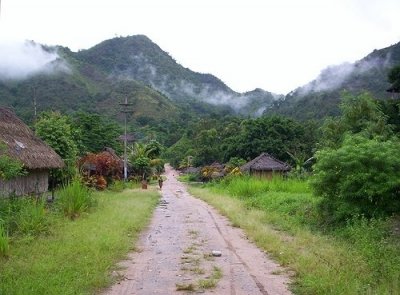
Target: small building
[(20, 143), (191, 170), (105, 163), (265, 166)]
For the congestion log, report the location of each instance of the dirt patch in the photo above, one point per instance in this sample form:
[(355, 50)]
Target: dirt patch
[(190, 248)]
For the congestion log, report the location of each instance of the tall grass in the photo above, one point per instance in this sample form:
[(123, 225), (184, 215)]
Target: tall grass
[(78, 257), (24, 216), (4, 245), (246, 186), (360, 257), (74, 199)]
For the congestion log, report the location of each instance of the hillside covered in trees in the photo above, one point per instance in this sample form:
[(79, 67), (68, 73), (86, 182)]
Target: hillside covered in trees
[(321, 97)]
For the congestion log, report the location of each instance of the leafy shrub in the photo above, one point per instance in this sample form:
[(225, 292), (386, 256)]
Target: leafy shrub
[(117, 186), (157, 165), (360, 177), (141, 166), (9, 168), (101, 182), (234, 164), (106, 168), (193, 177), (74, 199)]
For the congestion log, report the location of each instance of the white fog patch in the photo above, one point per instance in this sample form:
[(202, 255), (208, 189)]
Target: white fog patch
[(333, 77), (144, 70), (20, 60)]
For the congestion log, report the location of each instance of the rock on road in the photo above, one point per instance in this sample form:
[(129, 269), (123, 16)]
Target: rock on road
[(175, 253)]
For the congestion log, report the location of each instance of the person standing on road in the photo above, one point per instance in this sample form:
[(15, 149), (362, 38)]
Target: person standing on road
[(160, 181)]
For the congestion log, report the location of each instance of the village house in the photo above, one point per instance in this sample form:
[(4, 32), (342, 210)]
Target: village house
[(265, 166), (20, 143), (112, 165)]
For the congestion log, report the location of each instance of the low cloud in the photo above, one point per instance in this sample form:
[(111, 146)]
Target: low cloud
[(333, 77), (147, 72), (21, 60)]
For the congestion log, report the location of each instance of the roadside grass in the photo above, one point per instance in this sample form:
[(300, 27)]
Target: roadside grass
[(361, 257), (77, 257), (74, 199), (4, 246)]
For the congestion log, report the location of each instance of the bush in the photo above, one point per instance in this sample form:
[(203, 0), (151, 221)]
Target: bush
[(360, 177), (32, 219), (117, 186), (75, 199), (23, 216)]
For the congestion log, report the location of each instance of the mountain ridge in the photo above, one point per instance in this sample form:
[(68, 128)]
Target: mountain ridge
[(134, 67), (321, 97)]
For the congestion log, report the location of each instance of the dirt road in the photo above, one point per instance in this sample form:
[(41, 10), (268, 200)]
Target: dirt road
[(178, 254)]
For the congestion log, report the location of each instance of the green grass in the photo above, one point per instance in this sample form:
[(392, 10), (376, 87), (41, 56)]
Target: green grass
[(360, 257), (74, 199), (77, 257), (212, 281), (24, 216), (4, 245)]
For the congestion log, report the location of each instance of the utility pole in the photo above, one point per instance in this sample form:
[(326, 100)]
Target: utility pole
[(125, 111)]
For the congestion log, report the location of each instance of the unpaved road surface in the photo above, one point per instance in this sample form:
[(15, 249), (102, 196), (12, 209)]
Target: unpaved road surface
[(175, 253)]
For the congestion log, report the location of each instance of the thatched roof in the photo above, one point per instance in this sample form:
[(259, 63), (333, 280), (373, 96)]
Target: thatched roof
[(129, 138), (22, 144), (190, 170), (265, 162), (114, 155), (89, 161), (217, 165)]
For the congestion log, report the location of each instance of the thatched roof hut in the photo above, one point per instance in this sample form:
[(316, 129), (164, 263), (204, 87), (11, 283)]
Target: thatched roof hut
[(265, 166), (190, 170), (20, 143), (103, 163)]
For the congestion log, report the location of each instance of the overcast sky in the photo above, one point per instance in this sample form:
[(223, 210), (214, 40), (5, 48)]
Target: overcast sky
[(276, 45)]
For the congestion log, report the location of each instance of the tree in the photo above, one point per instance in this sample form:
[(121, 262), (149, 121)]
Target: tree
[(274, 135), (140, 160), (361, 114), (55, 129), (9, 168), (95, 133), (362, 176), (394, 79), (206, 144), (154, 149)]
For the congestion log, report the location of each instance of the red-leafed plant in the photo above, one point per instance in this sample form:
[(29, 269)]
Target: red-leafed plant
[(100, 169)]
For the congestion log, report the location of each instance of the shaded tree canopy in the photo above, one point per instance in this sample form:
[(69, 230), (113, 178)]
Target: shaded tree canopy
[(394, 79)]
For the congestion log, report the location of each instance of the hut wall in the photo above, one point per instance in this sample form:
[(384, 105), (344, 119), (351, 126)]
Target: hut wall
[(265, 174), (36, 182)]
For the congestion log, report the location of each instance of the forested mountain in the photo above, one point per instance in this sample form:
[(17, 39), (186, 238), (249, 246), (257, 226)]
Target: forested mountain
[(160, 89), (134, 67), (81, 86), (321, 97), (138, 58)]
